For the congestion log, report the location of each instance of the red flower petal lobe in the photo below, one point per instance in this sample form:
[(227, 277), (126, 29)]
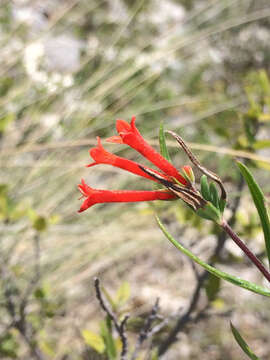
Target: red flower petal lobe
[(115, 139), (100, 155), (123, 126)]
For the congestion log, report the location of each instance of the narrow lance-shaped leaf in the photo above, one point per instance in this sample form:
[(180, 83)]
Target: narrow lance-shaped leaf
[(94, 340), (162, 143), (123, 294), (222, 204), (221, 274), (108, 297), (108, 340), (259, 202), (214, 195), (205, 188), (244, 346)]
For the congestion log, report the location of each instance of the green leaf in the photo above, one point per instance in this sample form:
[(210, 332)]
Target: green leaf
[(162, 143), (94, 340), (109, 341), (222, 204), (123, 294), (210, 212), (205, 188), (8, 346), (259, 201), (212, 287), (108, 297), (214, 195), (243, 345), (212, 270)]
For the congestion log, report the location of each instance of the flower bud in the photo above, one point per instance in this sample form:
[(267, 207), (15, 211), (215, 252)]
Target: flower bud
[(188, 173)]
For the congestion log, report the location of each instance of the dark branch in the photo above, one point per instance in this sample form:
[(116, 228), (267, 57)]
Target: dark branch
[(120, 328), (147, 330)]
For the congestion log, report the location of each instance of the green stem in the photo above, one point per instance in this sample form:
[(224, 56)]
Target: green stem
[(253, 258)]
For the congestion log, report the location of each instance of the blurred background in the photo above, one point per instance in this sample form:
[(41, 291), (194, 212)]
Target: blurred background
[(69, 69)]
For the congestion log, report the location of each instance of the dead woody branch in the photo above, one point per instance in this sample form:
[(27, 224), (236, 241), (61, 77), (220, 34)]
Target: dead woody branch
[(147, 330), (119, 327)]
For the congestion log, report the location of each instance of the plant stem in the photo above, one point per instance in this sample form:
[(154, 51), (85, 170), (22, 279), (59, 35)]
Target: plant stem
[(253, 258)]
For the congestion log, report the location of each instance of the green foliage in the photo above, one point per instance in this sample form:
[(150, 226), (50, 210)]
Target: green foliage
[(258, 93), (214, 195), (210, 212), (5, 121), (210, 193), (120, 298), (106, 342), (125, 67), (215, 206), (48, 306), (241, 342), (259, 201), (13, 211), (94, 340), (205, 188), (212, 270), (122, 295), (162, 143), (110, 343), (9, 346)]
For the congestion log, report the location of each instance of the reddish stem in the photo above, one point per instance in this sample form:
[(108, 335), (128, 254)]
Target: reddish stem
[(253, 258)]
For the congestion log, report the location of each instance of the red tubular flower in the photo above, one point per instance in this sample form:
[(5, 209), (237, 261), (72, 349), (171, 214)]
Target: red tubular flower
[(169, 177), (101, 156), (130, 135), (95, 196)]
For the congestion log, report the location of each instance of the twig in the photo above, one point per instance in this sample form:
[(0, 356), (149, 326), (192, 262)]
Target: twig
[(195, 270), (158, 327), (120, 328), (197, 163), (123, 337), (253, 258), (146, 331)]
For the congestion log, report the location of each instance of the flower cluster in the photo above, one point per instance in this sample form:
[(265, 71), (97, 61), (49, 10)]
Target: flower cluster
[(128, 134)]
